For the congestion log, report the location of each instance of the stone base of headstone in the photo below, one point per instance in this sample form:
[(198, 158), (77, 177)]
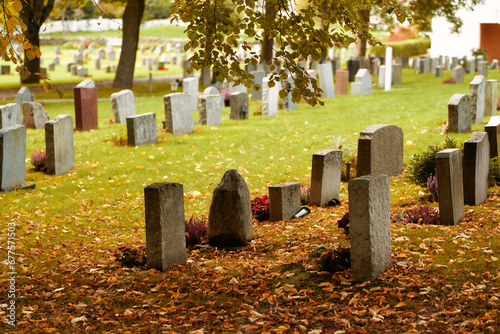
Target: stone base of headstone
[(284, 201), (450, 186)]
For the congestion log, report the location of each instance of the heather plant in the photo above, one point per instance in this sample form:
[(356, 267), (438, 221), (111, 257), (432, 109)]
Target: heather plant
[(432, 187), (422, 215), (39, 160), (305, 193), (334, 260), (196, 231), (131, 257), (260, 208)]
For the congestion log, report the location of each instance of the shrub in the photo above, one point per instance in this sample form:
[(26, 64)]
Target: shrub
[(131, 257), (260, 208), (421, 166), (410, 47), (422, 215), (432, 187), (39, 160), (196, 231), (334, 260), (494, 176), (305, 193)]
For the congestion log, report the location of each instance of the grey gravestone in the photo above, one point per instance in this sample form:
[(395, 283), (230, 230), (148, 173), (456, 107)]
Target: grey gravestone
[(425, 65), (454, 62), (494, 64), (439, 71), (447, 64), (239, 105), (165, 225), (284, 201), (190, 87), (10, 115), (303, 64), (381, 76), (82, 71), (52, 67), (459, 114), (178, 118), (416, 63), (476, 168), (213, 90), (57, 50), (490, 98), (23, 95), (450, 186), (363, 84), (122, 105), (380, 150), (230, 215), (470, 66), (287, 101), (269, 98), (326, 80), (34, 115), (141, 129), (74, 69), (12, 155), (59, 145), (5, 69), (259, 76), (210, 110), (457, 75), (87, 83), (370, 231), (476, 95), (434, 64), (493, 131), (175, 59), (111, 55), (341, 82), (353, 66), (325, 176), (397, 73), (185, 64), (482, 68), (97, 64)]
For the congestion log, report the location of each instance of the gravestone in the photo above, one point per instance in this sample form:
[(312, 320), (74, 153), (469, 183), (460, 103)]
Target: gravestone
[(374, 66), (341, 82), (476, 168), (12, 155), (459, 113), (353, 66), (447, 64), (326, 80), (450, 186), (303, 64), (190, 87), (287, 101), (457, 75), (5, 69), (57, 50), (238, 102), (175, 59), (122, 105), (363, 83), (258, 77), (205, 76), (85, 108), (381, 76), (213, 90), (210, 110), (284, 201), (439, 71), (165, 225), (89, 83), (269, 98), (97, 64), (494, 64), (416, 63), (470, 66), (482, 68), (52, 67), (370, 226), (493, 131), (397, 73), (10, 115), (454, 62), (185, 65), (178, 117), (434, 64), (74, 69), (476, 95), (82, 71), (490, 98), (380, 150), (111, 55), (24, 95), (59, 145), (388, 69), (141, 129), (230, 215), (325, 177), (425, 65), (34, 115)]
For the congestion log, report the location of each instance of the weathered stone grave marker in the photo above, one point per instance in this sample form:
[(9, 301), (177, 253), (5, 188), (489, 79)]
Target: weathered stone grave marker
[(12, 155), (476, 168), (122, 105), (24, 95), (238, 102), (450, 186), (59, 145), (178, 118), (325, 176), (269, 98), (476, 95), (284, 201), (210, 110), (10, 115), (258, 77), (326, 80), (362, 84), (459, 113), (490, 98), (341, 82), (34, 115), (457, 75), (482, 68), (190, 87), (141, 129), (85, 108)]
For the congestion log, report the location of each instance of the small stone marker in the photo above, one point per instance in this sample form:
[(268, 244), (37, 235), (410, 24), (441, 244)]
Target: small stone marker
[(12, 155), (88, 83), (74, 69), (482, 68), (341, 82), (141, 129), (24, 95), (476, 95), (381, 76), (5, 69), (287, 101), (165, 225), (230, 216), (397, 74), (380, 150), (476, 168), (178, 118), (494, 64), (326, 80), (493, 131), (490, 98), (450, 186), (10, 115), (210, 110), (439, 72), (122, 105), (284, 201), (259, 76), (85, 108), (459, 114), (362, 84), (34, 115), (239, 105), (353, 66), (190, 87), (370, 231), (457, 75), (59, 145), (97, 64), (269, 98), (325, 176), (425, 65)]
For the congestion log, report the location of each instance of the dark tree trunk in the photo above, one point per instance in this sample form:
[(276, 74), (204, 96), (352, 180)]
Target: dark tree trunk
[(360, 49), (132, 17), (322, 26), (266, 53)]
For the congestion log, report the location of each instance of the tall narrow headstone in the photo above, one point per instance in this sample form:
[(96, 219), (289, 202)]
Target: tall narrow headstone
[(24, 95), (381, 76), (165, 225), (284, 201), (287, 100), (363, 83), (325, 176), (450, 186), (476, 168), (238, 102), (482, 68), (457, 75), (425, 65), (34, 115), (326, 80), (12, 155), (59, 145), (190, 87), (141, 129), (459, 115), (10, 115), (353, 66), (122, 105), (210, 110), (269, 98), (439, 71), (341, 82), (205, 76), (85, 108), (259, 76), (476, 95), (178, 117), (397, 74), (380, 150), (370, 226), (490, 98), (493, 131)]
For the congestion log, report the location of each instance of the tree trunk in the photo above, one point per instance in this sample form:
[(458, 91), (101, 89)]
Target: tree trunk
[(266, 53), (360, 48), (323, 27), (132, 17)]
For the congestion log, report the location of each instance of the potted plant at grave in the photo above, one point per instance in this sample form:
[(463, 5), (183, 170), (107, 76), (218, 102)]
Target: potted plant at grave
[(260, 208)]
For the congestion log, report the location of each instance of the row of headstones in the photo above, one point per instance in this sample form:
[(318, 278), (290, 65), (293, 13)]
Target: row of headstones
[(437, 65), (160, 49)]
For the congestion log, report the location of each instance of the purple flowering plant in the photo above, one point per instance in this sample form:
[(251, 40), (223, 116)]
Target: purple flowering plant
[(422, 215), (39, 159), (196, 231)]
